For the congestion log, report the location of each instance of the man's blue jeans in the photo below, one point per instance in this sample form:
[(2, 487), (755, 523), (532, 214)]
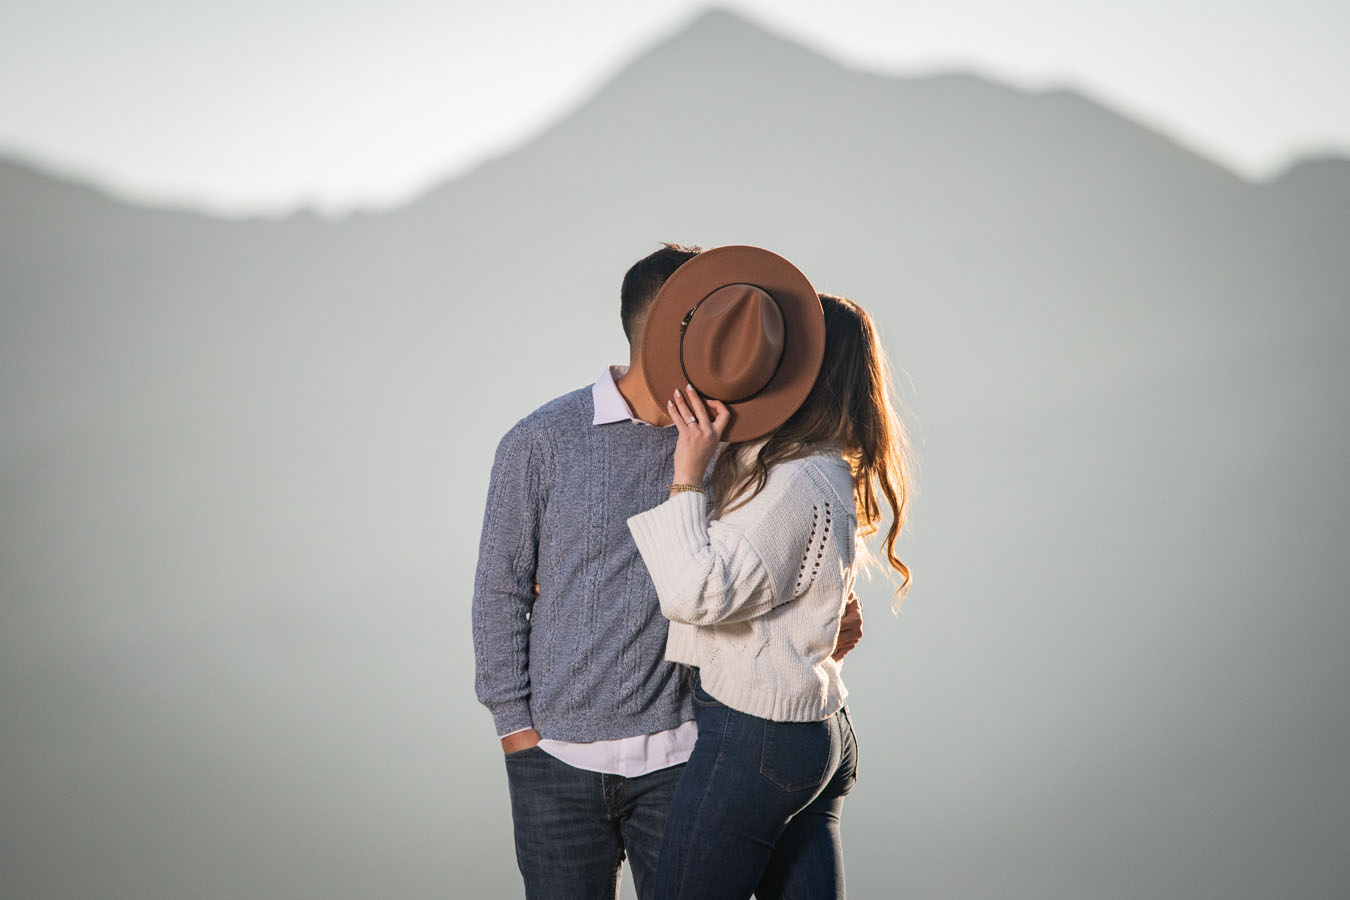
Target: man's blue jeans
[(757, 808), (573, 826)]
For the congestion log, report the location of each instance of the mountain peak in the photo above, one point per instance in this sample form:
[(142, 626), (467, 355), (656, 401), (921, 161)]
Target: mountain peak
[(719, 20), (716, 31)]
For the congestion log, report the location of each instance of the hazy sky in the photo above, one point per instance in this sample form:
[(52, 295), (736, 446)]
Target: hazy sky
[(259, 105)]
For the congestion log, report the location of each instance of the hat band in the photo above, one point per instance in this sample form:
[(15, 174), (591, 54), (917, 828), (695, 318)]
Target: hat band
[(684, 326)]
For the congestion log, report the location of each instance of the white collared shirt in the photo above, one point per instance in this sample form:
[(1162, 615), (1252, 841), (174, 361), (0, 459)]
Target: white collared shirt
[(641, 753)]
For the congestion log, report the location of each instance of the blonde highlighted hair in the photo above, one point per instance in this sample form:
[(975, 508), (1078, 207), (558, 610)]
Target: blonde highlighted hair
[(851, 407)]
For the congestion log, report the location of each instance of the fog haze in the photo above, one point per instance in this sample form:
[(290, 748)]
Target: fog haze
[(243, 467)]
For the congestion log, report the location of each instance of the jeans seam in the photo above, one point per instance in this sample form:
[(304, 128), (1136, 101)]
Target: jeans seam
[(707, 788), (620, 797)]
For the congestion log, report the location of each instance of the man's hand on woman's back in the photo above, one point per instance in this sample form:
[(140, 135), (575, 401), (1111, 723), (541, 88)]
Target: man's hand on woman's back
[(850, 628), (850, 633)]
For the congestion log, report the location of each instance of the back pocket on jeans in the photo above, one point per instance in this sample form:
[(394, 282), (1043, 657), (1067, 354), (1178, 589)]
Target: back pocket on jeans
[(795, 754)]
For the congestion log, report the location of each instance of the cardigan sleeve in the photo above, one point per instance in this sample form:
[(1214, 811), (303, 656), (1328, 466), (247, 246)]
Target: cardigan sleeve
[(702, 575), (710, 572)]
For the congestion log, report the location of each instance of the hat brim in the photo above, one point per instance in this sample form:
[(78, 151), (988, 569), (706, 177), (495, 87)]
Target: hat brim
[(804, 333)]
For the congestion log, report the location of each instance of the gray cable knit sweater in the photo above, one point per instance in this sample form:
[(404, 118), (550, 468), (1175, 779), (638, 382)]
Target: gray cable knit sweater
[(583, 660)]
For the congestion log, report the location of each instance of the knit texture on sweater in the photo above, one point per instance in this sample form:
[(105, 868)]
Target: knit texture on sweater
[(755, 597), (582, 661)]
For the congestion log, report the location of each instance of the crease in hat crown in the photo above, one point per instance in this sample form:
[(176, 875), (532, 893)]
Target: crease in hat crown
[(733, 342), (742, 325)]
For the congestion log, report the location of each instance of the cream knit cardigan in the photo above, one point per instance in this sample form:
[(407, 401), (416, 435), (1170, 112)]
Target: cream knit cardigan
[(754, 598)]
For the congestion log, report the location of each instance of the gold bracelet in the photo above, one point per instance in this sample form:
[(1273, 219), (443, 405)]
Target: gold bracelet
[(676, 488)]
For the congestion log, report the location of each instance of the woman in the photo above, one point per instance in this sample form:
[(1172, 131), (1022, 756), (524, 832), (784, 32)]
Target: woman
[(753, 582)]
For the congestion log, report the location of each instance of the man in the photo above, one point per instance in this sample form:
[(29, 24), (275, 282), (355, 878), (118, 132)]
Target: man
[(568, 635)]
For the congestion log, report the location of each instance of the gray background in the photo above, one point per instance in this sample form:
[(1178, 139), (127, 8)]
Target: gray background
[(265, 105), (243, 463)]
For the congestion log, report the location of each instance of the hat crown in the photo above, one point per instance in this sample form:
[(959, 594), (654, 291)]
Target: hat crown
[(757, 347), (733, 342)]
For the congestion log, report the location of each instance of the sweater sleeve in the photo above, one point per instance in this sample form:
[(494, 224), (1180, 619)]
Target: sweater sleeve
[(503, 593), (706, 573)]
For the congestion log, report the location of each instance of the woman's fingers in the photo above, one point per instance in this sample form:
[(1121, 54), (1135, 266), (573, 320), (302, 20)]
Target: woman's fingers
[(681, 421), (682, 405), (709, 418), (696, 404), (721, 417)]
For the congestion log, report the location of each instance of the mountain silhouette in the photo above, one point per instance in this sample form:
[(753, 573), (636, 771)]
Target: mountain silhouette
[(243, 465)]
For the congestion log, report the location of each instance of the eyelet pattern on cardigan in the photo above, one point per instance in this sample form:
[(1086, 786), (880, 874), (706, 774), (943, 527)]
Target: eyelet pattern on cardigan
[(725, 584), (821, 521)]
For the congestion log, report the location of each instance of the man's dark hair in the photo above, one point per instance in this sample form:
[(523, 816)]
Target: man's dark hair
[(645, 278)]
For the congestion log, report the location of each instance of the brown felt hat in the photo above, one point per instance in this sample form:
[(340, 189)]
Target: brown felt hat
[(743, 326)]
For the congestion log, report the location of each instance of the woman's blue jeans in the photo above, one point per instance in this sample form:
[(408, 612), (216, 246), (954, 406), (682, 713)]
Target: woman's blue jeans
[(757, 809)]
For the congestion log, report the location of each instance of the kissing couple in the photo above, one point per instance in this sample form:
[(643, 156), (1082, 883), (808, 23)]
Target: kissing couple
[(663, 597)]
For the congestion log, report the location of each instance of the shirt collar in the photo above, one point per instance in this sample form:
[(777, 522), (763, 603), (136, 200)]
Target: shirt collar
[(609, 403)]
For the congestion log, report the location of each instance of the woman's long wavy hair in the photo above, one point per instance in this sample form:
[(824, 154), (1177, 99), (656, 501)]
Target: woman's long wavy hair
[(850, 406)]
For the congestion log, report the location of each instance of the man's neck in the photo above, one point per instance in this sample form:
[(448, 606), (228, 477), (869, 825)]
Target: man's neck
[(633, 386)]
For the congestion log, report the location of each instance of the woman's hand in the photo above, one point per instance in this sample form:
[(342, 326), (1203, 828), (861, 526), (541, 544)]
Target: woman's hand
[(700, 429)]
